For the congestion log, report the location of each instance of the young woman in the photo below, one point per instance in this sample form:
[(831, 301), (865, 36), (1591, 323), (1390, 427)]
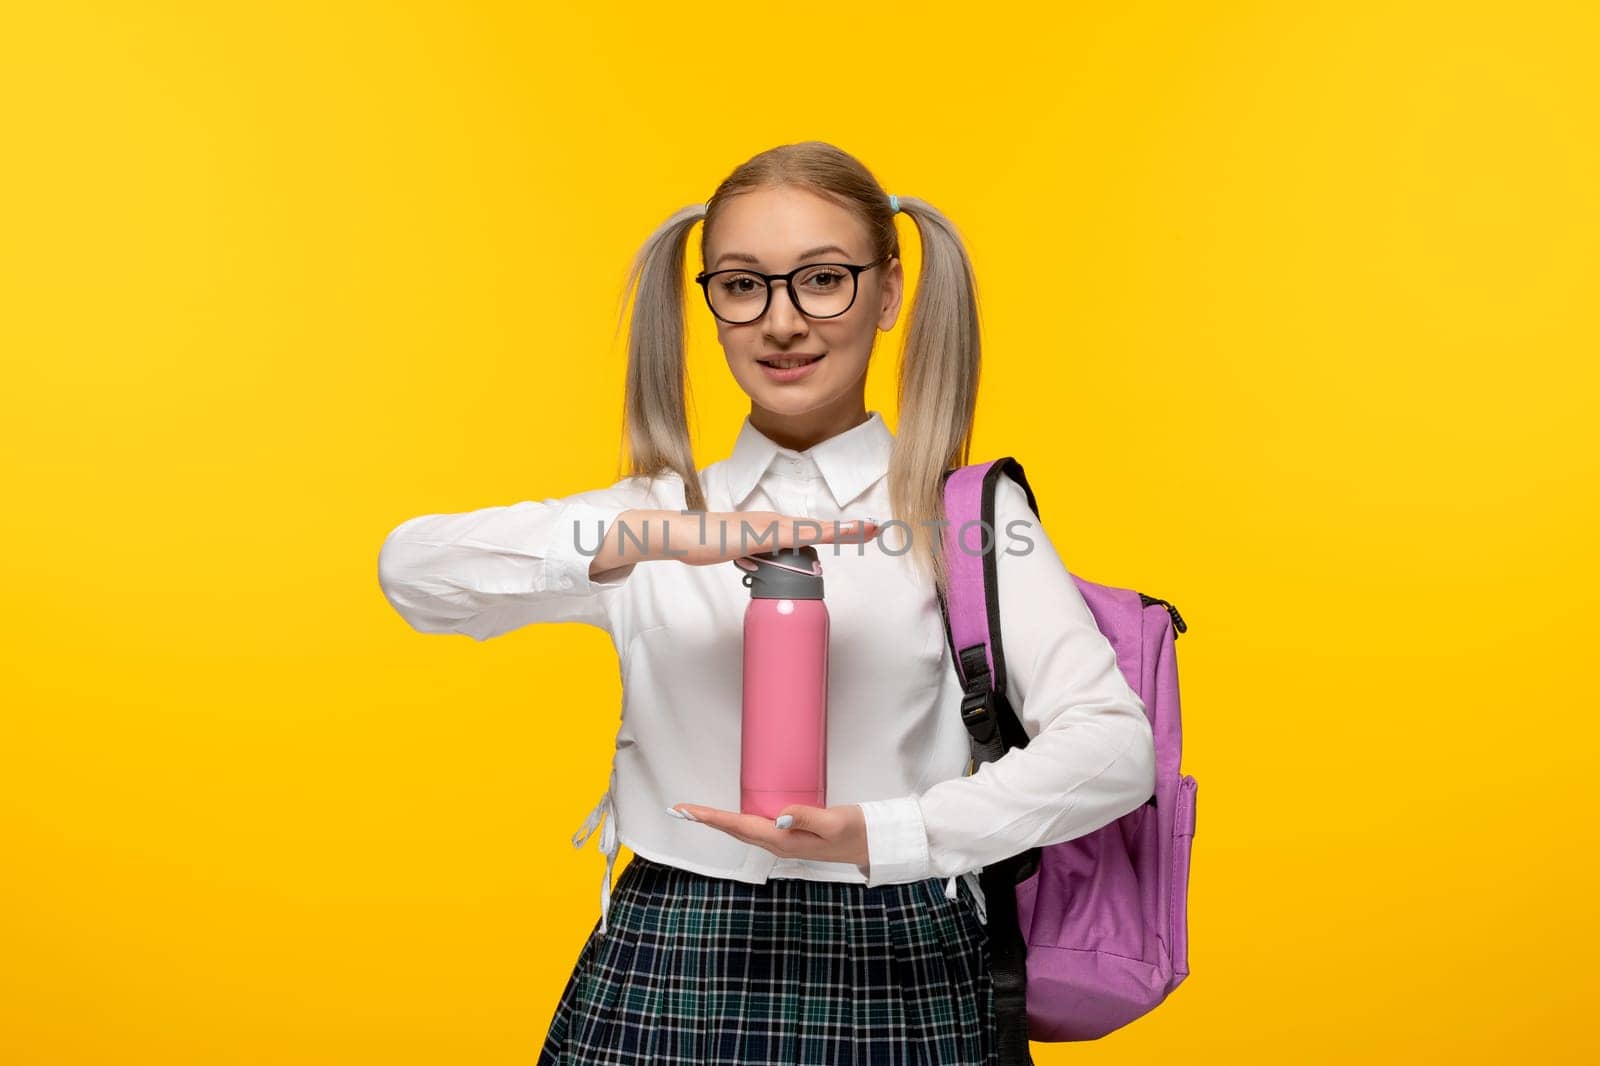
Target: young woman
[(847, 933)]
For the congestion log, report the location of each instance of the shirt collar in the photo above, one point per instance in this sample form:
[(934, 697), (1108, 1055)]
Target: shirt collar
[(849, 462)]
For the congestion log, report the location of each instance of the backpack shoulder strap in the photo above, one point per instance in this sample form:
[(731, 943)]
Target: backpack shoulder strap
[(971, 612), (971, 605)]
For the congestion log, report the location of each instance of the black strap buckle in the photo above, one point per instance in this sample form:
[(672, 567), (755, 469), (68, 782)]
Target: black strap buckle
[(978, 715), (978, 705)]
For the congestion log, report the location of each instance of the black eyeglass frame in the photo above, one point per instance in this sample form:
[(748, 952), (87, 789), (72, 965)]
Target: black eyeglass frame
[(703, 279)]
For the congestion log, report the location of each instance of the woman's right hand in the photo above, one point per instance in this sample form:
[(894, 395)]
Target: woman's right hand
[(702, 539)]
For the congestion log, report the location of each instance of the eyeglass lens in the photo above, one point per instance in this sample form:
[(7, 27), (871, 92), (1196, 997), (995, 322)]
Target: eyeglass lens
[(824, 290)]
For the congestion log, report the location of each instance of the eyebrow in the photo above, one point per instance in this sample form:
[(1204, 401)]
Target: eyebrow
[(744, 257)]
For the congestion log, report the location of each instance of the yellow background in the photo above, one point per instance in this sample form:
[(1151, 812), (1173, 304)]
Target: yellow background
[(1290, 316)]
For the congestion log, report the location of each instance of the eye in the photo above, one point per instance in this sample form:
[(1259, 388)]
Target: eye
[(823, 279), (740, 284)]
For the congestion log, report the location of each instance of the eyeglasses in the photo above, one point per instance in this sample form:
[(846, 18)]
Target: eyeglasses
[(817, 290)]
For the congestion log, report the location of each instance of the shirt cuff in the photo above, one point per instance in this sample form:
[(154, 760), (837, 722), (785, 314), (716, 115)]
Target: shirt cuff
[(582, 523), (897, 841)]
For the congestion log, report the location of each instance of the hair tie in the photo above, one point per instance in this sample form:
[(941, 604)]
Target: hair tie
[(894, 205)]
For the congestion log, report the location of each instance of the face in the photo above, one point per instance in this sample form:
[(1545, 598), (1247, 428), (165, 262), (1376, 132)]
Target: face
[(776, 228)]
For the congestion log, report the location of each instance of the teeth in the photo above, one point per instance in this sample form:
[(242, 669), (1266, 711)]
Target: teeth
[(787, 364)]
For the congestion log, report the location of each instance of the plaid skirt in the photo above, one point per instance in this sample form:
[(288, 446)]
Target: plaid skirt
[(717, 972)]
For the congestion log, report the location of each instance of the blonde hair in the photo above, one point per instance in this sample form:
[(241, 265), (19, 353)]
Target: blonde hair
[(937, 384)]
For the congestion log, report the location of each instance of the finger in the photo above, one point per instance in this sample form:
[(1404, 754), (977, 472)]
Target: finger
[(835, 531), (748, 825), (805, 531), (710, 817), (803, 819), (750, 828), (854, 530)]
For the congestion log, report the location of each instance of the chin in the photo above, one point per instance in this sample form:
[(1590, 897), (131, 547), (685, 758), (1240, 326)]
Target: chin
[(793, 402), (804, 393)]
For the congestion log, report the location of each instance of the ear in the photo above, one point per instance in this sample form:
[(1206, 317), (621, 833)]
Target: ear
[(893, 288)]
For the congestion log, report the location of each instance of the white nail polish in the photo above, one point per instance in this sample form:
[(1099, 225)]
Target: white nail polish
[(674, 812)]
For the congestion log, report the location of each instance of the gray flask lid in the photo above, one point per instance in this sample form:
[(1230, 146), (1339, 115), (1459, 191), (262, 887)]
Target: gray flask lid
[(784, 574)]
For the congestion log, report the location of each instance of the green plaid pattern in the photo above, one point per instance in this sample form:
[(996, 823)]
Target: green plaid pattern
[(717, 972)]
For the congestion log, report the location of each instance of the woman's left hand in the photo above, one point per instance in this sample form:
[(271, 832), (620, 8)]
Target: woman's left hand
[(826, 834)]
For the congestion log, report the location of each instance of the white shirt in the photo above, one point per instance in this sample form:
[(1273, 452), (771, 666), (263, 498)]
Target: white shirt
[(896, 743)]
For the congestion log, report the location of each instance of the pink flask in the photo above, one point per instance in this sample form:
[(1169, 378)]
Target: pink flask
[(784, 743)]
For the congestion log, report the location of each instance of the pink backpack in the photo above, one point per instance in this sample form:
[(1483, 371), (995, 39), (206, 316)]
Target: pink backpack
[(1088, 934)]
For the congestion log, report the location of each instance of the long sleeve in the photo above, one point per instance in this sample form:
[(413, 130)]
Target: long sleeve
[(1090, 757), (487, 572)]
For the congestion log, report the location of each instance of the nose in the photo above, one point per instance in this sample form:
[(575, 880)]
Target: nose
[(782, 316)]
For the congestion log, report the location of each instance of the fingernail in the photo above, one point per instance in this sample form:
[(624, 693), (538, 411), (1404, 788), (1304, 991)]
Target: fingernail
[(785, 821), (676, 813)]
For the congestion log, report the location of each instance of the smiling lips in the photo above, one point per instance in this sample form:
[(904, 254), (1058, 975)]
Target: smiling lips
[(788, 361)]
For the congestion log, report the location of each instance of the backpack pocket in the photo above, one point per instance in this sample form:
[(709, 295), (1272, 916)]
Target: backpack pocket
[(1182, 847)]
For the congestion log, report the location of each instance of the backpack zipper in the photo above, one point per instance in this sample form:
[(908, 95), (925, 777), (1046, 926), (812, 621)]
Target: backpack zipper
[(1177, 619)]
